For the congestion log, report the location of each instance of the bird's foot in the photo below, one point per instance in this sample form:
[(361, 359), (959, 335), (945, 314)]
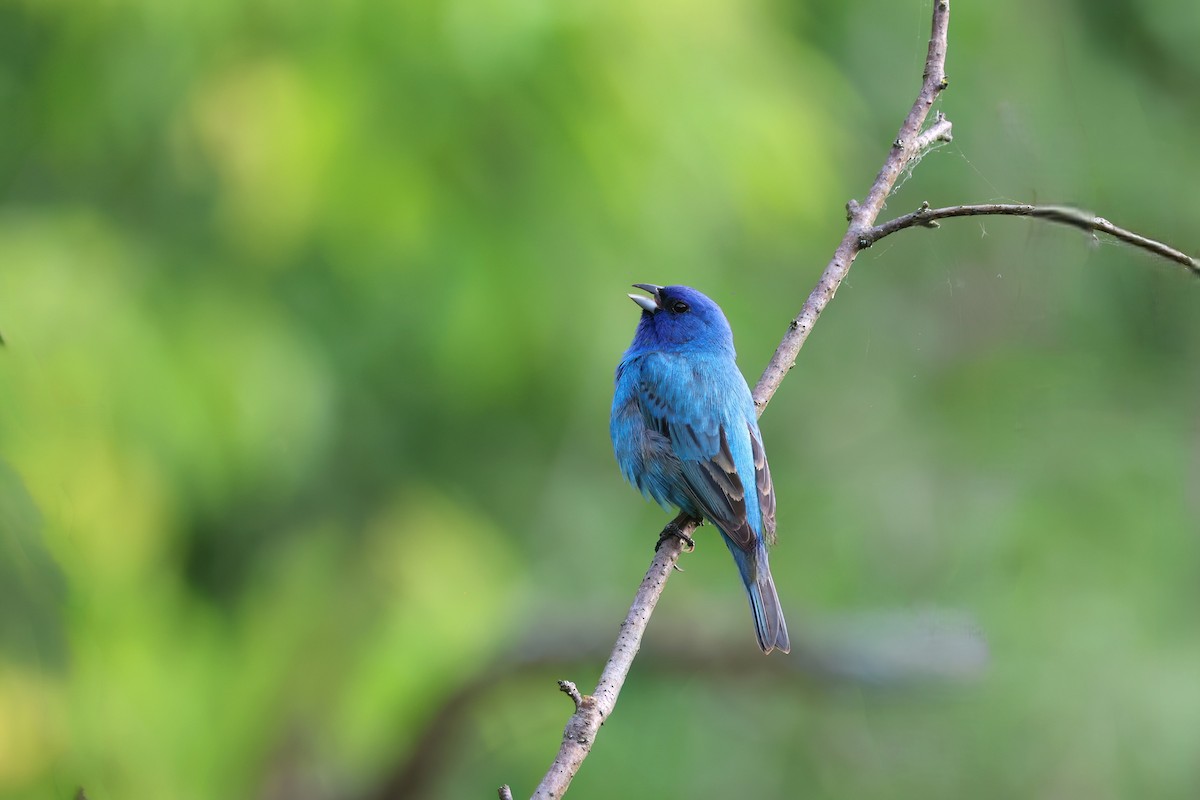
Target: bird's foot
[(672, 531)]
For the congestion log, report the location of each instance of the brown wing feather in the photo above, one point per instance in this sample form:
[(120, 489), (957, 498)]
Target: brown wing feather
[(723, 498), (766, 489)]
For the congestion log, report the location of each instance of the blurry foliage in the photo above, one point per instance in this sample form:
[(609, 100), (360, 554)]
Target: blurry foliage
[(311, 312)]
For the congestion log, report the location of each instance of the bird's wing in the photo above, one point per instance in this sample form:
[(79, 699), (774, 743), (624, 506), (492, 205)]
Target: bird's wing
[(719, 491), (702, 412)]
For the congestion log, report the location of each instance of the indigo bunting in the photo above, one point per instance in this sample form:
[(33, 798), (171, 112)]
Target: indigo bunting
[(685, 434)]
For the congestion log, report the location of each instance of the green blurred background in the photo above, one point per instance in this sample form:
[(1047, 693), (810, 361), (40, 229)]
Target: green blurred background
[(311, 313)]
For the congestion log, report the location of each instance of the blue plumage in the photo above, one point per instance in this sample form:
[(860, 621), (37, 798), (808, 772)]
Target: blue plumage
[(685, 434)]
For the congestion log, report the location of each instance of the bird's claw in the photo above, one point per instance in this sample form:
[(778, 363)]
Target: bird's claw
[(672, 531)]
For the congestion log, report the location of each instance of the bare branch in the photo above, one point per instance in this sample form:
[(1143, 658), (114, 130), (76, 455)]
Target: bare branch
[(505, 792), (912, 140), (909, 142), (592, 710), (1063, 215)]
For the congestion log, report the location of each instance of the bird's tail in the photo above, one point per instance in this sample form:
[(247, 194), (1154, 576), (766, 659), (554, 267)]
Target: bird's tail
[(764, 603)]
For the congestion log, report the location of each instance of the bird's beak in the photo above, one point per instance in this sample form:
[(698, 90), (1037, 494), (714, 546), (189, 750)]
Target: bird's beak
[(647, 303)]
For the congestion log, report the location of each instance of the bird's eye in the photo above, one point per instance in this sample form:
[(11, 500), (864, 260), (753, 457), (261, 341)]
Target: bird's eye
[(679, 306)]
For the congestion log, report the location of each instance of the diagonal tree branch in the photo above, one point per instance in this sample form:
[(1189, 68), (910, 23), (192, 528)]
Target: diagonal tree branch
[(592, 710), (910, 143)]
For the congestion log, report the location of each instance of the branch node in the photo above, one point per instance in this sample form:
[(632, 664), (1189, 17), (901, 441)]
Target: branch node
[(940, 131), (852, 208), (572, 691)]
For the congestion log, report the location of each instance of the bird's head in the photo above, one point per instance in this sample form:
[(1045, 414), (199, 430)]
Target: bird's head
[(679, 318)]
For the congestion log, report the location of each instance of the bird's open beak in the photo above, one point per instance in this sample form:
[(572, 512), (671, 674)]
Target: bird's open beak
[(647, 303)]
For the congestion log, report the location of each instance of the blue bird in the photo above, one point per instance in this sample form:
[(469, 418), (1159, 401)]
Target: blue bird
[(685, 433)]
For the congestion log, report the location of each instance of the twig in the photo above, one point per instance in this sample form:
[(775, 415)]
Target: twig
[(572, 691), (1063, 215), (909, 142), (939, 131), (505, 792), (592, 710)]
